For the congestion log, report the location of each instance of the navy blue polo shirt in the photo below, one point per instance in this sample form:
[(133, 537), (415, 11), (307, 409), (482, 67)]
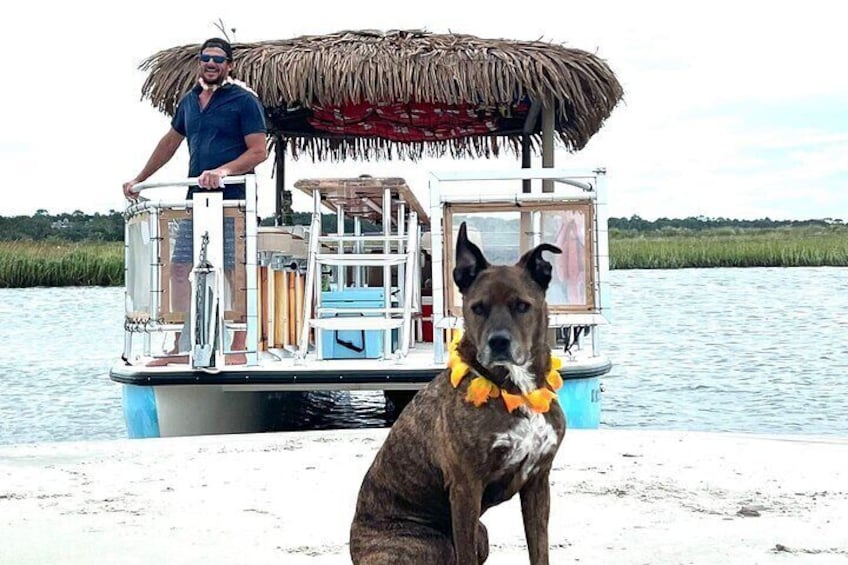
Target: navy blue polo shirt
[(216, 133)]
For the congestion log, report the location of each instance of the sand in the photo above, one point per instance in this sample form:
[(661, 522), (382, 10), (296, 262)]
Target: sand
[(640, 497)]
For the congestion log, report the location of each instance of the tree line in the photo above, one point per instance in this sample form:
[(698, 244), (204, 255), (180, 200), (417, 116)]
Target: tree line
[(79, 226), (701, 223)]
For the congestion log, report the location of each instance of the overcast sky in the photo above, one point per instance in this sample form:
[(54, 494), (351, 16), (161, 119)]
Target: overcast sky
[(732, 108)]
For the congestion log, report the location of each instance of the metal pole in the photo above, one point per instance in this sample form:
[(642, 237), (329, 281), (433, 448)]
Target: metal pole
[(155, 306), (602, 286), (127, 282), (525, 221), (251, 295), (280, 162), (341, 270), (387, 270), (437, 266), (526, 161), (401, 213), (526, 132), (548, 122), (357, 231)]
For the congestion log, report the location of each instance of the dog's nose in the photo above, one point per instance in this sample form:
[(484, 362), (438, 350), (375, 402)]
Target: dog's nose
[(499, 343)]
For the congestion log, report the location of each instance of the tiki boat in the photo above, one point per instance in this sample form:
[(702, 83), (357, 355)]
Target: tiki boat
[(362, 297)]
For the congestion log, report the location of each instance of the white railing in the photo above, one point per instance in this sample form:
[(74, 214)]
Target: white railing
[(569, 186), (152, 323)]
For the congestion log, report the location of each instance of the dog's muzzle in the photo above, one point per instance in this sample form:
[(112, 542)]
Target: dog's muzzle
[(500, 349)]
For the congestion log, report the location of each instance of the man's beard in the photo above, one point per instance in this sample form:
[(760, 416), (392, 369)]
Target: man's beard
[(217, 81)]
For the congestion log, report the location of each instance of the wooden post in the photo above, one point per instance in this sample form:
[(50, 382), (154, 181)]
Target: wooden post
[(281, 309), (293, 335), (263, 307)]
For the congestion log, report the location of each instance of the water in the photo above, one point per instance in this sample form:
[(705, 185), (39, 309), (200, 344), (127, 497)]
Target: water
[(746, 350), (742, 350), (56, 347)]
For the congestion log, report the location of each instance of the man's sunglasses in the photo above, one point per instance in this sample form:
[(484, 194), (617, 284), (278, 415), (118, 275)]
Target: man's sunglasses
[(219, 59)]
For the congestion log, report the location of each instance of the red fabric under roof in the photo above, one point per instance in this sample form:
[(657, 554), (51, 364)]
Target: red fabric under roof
[(413, 121)]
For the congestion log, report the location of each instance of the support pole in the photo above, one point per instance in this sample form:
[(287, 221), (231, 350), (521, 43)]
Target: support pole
[(548, 122), (528, 129), (280, 163), (283, 216), (527, 162)]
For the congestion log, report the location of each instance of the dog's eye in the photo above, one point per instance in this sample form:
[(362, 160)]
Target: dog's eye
[(479, 308), (521, 306)]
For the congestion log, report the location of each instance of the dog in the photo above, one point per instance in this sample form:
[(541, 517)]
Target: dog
[(480, 432)]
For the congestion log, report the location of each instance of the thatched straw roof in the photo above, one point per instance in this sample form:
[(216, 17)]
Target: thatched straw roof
[(495, 81)]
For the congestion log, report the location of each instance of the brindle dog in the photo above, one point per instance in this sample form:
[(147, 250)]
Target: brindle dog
[(445, 460)]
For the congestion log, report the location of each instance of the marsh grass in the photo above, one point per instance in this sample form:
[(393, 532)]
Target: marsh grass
[(26, 264), (727, 247)]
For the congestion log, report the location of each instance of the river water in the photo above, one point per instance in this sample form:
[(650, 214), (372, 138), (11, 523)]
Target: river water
[(745, 350)]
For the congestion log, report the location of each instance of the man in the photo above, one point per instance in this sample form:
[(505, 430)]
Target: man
[(225, 127)]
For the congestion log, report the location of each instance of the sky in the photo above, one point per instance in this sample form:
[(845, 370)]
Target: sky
[(735, 109)]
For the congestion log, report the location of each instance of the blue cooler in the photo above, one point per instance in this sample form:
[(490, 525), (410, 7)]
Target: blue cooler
[(354, 344)]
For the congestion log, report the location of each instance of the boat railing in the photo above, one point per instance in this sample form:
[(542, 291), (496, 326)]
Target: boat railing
[(564, 207), (155, 282), (329, 263)]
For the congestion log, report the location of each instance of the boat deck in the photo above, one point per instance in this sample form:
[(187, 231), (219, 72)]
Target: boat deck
[(273, 373)]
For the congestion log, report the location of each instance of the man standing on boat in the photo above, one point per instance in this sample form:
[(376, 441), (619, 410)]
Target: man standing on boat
[(225, 126)]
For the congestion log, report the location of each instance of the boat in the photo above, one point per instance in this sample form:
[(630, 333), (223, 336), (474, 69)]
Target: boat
[(361, 298)]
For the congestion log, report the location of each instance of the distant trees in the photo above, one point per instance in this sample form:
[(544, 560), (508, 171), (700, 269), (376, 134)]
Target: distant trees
[(76, 226), (700, 223), (79, 226)]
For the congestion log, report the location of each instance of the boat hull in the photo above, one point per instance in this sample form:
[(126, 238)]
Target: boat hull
[(580, 399), (186, 410), (163, 403)]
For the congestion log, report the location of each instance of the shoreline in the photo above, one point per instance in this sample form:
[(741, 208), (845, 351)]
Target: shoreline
[(618, 496), (64, 263)]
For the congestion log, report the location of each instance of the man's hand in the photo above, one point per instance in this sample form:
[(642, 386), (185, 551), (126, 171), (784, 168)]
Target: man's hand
[(212, 179), (128, 193)]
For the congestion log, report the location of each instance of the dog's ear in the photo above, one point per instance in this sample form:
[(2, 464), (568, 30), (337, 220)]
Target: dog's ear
[(539, 269), (469, 261)]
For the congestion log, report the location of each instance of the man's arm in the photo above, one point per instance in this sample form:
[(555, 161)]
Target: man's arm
[(255, 154), (165, 149)]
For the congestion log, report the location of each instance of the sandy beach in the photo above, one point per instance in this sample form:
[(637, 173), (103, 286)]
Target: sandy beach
[(618, 497)]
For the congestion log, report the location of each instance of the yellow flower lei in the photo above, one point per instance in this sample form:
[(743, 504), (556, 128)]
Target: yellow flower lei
[(481, 389)]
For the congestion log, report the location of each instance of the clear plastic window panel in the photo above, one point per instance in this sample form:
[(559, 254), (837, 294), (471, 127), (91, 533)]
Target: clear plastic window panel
[(571, 279), (140, 246), (498, 234)]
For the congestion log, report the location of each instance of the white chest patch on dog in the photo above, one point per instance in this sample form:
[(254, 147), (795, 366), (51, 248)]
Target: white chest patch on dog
[(529, 440), (523, 379)]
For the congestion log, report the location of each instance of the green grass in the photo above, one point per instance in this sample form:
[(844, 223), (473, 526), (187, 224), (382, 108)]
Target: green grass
[(727, 247), (24, 264)]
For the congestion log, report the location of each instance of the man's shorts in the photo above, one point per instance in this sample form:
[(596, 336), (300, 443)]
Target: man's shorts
[(184, 243)]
